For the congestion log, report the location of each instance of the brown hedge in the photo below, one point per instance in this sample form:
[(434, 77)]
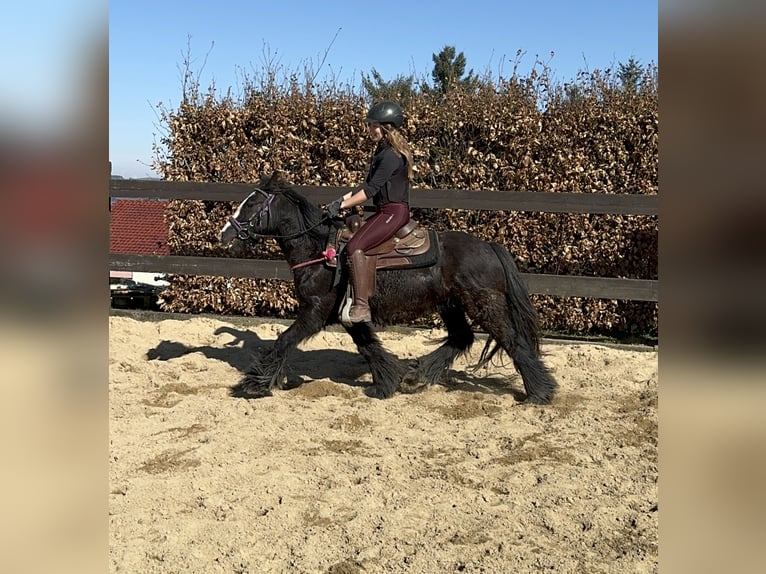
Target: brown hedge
[(598, 138)]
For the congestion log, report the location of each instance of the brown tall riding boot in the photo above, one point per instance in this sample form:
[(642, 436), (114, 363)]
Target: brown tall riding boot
[(363, 275)]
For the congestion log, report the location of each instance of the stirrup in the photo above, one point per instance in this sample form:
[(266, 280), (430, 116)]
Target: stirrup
[(364, 318)]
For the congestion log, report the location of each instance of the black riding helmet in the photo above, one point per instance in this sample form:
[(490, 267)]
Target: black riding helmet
[(386, 113)]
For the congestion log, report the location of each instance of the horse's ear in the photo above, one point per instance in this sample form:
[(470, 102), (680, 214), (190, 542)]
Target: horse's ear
[(277, 179)]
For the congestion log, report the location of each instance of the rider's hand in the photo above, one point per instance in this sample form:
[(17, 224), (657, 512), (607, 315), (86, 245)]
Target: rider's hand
[(334, 208)]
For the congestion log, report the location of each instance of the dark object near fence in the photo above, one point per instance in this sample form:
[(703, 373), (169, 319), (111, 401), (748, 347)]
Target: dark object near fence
[(474, 282), (127, 294)]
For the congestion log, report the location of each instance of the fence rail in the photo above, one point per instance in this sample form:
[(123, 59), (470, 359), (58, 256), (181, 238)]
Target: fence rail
[(559, 202)]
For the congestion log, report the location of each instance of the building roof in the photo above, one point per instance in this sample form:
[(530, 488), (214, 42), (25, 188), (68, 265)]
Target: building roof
[(138, 227)]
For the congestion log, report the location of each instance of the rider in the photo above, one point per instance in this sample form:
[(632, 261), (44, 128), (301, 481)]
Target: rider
[(388, 184)]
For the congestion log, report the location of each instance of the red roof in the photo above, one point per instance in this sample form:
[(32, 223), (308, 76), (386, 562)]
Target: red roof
[(138, 227)]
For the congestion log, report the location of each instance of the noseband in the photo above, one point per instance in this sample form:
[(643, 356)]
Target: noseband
[(248, 230)]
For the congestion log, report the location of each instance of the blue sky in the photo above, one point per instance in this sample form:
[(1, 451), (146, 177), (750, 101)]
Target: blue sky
[(148, 40)]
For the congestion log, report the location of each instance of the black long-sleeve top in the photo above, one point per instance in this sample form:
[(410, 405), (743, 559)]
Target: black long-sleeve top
[(387, 179)]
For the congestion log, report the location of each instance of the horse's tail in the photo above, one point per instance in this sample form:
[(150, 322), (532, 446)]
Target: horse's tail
[(523, 317)]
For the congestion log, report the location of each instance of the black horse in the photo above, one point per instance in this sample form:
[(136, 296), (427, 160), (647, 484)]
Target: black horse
[(472, 279)]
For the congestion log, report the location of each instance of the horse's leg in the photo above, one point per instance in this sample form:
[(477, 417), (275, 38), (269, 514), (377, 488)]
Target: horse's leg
[(432, 368), (509, 321), (494, 317), (267, 370), (386, 369), (538, 381), (507, 315)]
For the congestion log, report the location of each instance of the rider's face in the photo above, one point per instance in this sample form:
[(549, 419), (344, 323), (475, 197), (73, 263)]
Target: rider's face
[(375, 131)]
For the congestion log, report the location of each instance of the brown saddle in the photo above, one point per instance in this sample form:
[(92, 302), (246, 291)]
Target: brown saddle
[(411, 246)]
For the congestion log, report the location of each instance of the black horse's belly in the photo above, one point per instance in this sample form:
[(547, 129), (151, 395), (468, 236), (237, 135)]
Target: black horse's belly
[(404, 295)]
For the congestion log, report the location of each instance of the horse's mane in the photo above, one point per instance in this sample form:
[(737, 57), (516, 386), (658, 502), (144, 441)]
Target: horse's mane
[(310, 214)]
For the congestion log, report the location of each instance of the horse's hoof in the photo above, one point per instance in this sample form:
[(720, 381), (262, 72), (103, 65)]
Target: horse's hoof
[(376, 392), (240, 393), (413, 380), (537, 401), (247, 389), (412, 384)]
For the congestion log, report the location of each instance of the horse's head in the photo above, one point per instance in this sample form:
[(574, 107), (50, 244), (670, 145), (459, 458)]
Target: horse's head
[(276, 210), (251, 217)]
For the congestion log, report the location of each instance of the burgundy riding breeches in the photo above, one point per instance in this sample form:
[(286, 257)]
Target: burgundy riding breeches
[(381, 226)]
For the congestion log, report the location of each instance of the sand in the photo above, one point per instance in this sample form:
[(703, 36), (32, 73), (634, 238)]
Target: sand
[(321, 478)]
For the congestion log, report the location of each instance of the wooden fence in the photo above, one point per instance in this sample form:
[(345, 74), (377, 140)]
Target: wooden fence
[(560, 202)]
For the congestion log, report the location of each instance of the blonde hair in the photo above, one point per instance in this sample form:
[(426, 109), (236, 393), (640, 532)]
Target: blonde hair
[(397, 141)]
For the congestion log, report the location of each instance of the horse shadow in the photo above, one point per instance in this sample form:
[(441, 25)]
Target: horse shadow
[(469, 382), (342, 367)]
